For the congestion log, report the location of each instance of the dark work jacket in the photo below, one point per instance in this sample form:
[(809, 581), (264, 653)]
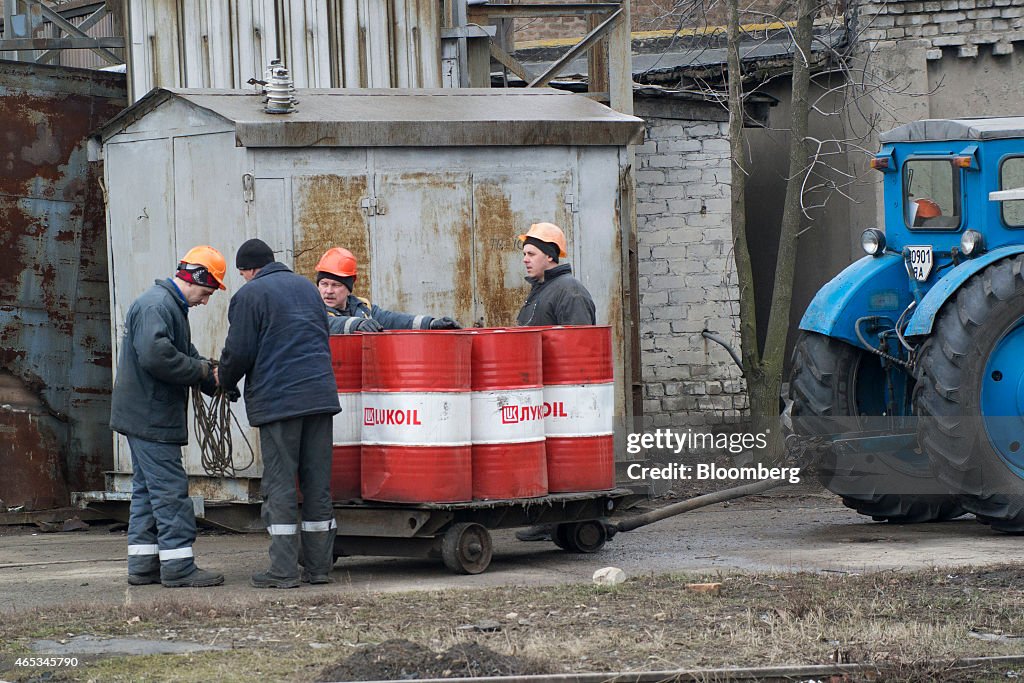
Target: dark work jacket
[(560, 299), (342, 321), (158, 364), (277, 340)]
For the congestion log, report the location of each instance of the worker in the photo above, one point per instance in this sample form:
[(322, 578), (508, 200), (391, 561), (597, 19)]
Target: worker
[(335, 278), (149, 405), (556, 298), (277, 340)]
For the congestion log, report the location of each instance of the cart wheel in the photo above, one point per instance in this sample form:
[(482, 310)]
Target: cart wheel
[(466, 548), (581, 537)]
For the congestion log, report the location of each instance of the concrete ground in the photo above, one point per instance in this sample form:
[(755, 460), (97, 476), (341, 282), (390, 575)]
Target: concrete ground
[(780, 531)]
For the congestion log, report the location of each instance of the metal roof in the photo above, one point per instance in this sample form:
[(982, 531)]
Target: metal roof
[(651, 61), (993, 128), (405, 118)]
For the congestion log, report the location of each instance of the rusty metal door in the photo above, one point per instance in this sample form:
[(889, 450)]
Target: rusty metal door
[(504, 205), (422, 243), (329, 212)]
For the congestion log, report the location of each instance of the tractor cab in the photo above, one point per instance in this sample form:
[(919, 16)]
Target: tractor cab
[(939, 182)]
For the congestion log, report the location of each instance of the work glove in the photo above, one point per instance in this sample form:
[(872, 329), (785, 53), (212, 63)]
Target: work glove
[(233, 394), (445, 323), (367, 325)]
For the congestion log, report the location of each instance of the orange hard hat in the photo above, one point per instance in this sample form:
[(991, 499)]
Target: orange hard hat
[(926, 208), (205, 265), (547, 232), (338, 261)]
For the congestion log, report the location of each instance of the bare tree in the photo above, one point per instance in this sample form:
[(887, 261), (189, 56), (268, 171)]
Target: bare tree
[(763, 367)]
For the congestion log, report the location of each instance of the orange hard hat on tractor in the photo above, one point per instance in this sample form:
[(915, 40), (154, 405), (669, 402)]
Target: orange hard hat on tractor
[(547, 232), (926, 208), (204, 266)]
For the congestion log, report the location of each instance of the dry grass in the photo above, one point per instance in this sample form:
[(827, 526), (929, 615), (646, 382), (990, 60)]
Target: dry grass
[(648, 623)]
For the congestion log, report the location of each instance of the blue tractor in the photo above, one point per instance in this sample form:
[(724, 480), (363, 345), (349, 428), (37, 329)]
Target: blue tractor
[(921, 341)]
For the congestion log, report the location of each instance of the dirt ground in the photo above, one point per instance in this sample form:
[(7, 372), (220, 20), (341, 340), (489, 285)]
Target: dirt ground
[(803, 581), (786, 530), (402, 660)]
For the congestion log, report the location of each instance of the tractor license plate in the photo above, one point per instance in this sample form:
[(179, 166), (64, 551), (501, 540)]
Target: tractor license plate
[(920, 261)]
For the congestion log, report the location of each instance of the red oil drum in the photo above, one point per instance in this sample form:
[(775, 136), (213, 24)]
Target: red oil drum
[(508, 415), (416, 426), (579, 406), (347, 359)]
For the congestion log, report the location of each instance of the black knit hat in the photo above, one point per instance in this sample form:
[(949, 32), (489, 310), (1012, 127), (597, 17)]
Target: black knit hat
[(348, 281), (253, 253), (548, 248)]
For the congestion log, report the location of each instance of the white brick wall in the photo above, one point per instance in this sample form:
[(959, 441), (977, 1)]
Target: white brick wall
[(960, 24), (687, 275)]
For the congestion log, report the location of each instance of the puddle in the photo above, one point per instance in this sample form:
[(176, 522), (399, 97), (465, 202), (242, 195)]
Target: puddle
[(93, 645)]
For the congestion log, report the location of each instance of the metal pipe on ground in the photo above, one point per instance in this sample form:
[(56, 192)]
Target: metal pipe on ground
[(638, 521)]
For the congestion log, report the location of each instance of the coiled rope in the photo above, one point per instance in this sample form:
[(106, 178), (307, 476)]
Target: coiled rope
[(213, 429)]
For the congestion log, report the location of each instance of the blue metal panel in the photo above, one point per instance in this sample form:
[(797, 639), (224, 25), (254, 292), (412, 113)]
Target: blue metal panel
[(876, 286), (923, 318)]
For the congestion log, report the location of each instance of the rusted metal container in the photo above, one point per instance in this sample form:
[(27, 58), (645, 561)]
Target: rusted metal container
[(508, 415), (54, 308), (428, 188)]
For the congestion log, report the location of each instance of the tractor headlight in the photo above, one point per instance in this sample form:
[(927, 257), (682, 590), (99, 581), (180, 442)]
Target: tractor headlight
[(972, 243), (873, 242)]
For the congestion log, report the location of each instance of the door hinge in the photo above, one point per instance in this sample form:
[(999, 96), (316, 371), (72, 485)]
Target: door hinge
[(248, 187), (369, 204)]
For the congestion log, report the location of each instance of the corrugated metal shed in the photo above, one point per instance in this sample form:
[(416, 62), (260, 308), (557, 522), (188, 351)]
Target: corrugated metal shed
[(427, 188), (54, 305)]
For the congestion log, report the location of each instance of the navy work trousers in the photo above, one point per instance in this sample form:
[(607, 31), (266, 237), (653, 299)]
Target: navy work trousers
[(298, 447), (162, 521)]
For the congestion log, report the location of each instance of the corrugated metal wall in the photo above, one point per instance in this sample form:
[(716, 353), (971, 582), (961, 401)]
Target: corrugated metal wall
[(54, 302), (325, 43)]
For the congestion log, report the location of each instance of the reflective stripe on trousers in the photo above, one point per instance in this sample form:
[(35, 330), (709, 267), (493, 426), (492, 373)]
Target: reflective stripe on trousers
[(139, 550)]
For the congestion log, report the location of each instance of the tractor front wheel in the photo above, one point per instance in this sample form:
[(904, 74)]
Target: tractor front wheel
[(835, 387), (970, 394)]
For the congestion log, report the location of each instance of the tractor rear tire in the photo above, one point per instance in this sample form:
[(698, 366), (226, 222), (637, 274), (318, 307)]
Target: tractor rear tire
[(975, 347), (823, 386)]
